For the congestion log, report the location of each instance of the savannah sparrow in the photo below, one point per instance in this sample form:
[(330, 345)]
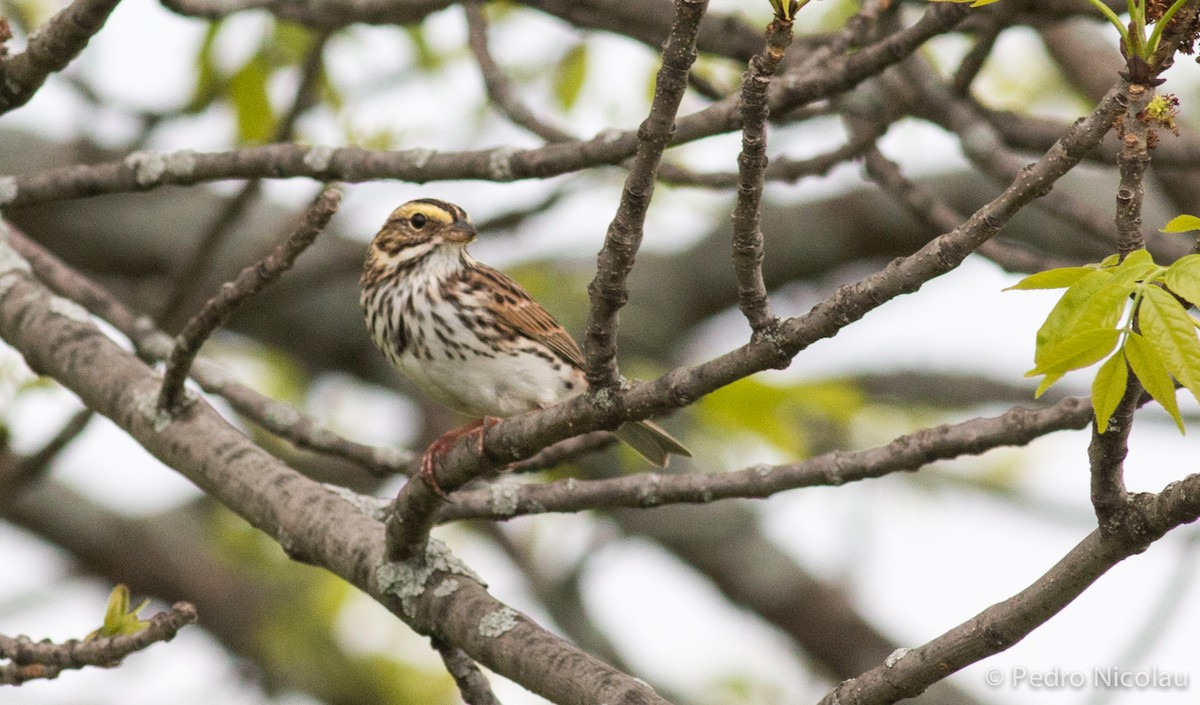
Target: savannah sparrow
[(467, 335)]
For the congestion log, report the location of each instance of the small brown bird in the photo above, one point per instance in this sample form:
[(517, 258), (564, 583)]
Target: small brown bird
[(467, 335)]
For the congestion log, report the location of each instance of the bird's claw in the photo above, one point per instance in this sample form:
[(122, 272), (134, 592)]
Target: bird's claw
[(438, 448)]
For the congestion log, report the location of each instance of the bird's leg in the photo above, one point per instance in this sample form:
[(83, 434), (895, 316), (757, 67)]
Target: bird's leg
[(439, 447)]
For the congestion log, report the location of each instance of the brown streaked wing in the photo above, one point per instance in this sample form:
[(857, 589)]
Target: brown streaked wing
[(519, 311)]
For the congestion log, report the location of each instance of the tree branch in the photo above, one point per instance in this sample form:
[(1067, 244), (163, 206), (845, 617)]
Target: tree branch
[(29, 660), (435, 595), (280, 418), (608, 292), (908, 672), (752, 163), (249, 282), (50, 49), (1015, 427)]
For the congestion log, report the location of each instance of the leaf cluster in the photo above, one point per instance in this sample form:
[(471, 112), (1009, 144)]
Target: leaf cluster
[(1133, 314)]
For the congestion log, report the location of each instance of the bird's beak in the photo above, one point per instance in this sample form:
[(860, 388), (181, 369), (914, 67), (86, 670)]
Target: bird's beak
[(459, 231)]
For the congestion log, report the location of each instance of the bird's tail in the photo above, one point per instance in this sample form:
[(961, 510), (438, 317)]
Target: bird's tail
[(650, 441)]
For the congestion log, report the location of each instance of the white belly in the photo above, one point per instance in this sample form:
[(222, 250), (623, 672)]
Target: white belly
[(503, 385)]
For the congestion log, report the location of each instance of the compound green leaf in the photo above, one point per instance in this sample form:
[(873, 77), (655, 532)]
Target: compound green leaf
[(1052, 278), (1136, 266), (1095, 301), (1151, 371), (1086, 348), (1167, 326), (1181, 224), (1107, 389), (1183, 277)]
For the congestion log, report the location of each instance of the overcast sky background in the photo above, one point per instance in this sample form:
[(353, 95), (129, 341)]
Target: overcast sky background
[(919, 558)]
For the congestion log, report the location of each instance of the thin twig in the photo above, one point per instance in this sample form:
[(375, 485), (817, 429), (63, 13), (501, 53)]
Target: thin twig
[(1015, 427), (190, 275), (752, 163), (249, 282), (499, 89), (29, 660), (972, 63), (150, 169), (908, 672), (471, 682), (927, 207), (1106, 457), (607, 291), (30, 467), (50, 49)]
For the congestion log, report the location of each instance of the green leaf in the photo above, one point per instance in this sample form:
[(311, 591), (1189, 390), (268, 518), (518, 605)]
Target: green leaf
[(1135, 264), (1172, 332), (1059, 278), (1151, 371), (1078, 351), (1095, 301), (974, 3), (1110, 261), (1183, 277), (1047, 382), (1107, 389), (1181, 224), (119, 620), (568, 77), (290, 43), (248, 93)]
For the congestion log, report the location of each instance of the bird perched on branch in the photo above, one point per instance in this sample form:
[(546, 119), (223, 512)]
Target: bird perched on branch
[(467, 335)]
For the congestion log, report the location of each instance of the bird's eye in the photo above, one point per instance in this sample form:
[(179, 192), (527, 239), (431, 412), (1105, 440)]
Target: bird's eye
[(418, 220)]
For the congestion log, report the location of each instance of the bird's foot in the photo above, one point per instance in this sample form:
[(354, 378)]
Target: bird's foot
[(433, 454)]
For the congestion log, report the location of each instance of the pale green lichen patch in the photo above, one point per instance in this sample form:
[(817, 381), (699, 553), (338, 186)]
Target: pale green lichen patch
[(446, 588), (497, 623), (408, 579), (505, 498), (500, 166), (375, 507), (420, 157), (318, 158), (146, 402)]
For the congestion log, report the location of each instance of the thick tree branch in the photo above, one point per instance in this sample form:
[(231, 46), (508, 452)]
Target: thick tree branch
[(435, 595)]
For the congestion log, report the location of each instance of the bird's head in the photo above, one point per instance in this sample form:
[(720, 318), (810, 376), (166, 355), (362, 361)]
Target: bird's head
[(421, 226)]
